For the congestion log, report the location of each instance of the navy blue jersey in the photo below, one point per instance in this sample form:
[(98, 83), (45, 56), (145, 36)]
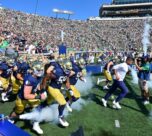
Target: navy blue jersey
[(60, 76), (18, 64), (21, 69), (24, 66), (29, 80), (76, 76)]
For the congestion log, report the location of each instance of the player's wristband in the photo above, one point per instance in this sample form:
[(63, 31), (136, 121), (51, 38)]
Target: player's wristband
[(38, 97)]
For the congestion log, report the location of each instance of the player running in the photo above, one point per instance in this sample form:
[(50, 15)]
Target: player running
[(55, 76), (30, 94), (107, 74), (76, 72), (120, 71)]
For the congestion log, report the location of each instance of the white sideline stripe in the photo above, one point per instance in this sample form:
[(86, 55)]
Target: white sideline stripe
[(117, 124)]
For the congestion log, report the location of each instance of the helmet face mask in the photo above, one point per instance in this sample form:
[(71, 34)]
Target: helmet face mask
[(81, 63), (38, 70), (38, 73), (3, 59), (61, 62), (68, 66), (10, 62)]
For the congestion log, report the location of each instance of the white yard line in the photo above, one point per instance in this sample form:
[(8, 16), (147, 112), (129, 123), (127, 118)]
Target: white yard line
[(117, 124)]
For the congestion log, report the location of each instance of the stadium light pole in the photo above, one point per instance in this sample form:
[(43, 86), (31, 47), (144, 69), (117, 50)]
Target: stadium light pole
[(57, 11), (33, 26)]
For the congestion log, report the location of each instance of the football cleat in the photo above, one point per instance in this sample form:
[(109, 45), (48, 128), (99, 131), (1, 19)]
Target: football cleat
[(105, 87), (146, 102), (100, 81), (116, 105), (104, 102), (37, 129), (63, 122), (68, 107)]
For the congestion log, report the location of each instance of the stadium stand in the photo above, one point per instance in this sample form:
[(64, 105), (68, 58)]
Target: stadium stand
[(23, 31), (127, 8)]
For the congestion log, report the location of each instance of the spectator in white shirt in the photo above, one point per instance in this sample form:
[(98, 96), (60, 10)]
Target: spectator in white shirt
[(31, 49), (91, 59)]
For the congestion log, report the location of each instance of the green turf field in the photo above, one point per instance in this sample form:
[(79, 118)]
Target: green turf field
[(99, 121)]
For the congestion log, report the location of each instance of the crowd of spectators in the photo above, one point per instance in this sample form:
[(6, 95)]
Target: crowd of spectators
[(37, 34)]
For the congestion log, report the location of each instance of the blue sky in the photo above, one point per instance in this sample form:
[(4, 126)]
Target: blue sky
[(82, 8)]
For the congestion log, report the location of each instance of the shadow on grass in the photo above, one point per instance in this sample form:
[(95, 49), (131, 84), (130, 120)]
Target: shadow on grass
[(93, 97), (127, 106), (97, 99), (140, 104), (131, 95), (103, 133), (28, 125), (78, 132)]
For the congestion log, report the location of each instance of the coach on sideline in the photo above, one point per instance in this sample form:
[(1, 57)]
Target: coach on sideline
[(120, 71)]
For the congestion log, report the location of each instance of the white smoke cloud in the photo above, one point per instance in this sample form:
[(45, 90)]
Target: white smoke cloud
[(150, 82), (79, 104), (134, 76), (146, 35), (85, 88), (50, 114)]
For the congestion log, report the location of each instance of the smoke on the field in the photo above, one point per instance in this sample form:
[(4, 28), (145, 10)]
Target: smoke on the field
[(134, 76), (150, 82), (146, 36), (46, 114), (85, 88), (50, 114)]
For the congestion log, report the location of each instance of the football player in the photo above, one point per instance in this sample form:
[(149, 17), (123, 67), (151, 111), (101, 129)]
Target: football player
[(76, 72), (107, 74), (30, 94), (55, 76), (5, 73)]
